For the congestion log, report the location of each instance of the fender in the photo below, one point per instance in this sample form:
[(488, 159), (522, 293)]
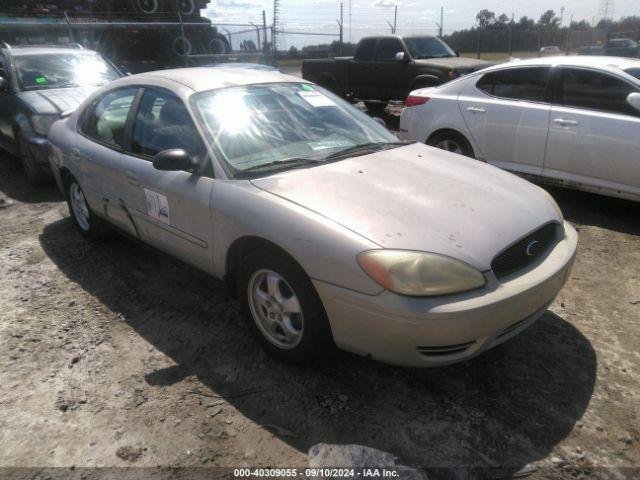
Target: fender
[(24, 125)]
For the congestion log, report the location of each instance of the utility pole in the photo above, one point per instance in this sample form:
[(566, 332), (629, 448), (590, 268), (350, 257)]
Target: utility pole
[(340, 24), (395, 19), (274, 36), (264, 34), (441, 21), (350, 18)]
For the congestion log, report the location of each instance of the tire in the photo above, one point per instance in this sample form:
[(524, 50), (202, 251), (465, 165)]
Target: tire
[(147, 7), (186, 7), (86, 222), (269, 284), (376, 107), (452, 142), (36, 174)]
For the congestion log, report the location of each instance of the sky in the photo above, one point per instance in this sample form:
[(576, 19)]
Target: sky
[(370, 17)]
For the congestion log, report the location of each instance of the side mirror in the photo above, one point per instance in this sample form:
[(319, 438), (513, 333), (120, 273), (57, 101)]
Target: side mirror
[(174, 160), (457, 53), (3, 84), (401, 57), (634, 100)]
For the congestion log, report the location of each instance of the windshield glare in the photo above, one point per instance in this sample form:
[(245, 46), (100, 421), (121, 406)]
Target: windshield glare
[(37, 72), (261, 124), (428, 47)]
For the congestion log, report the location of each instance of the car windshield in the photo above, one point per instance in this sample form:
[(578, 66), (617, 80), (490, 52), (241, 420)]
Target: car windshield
[(37, 72), (267, 127), (428, 47), (634, 72)]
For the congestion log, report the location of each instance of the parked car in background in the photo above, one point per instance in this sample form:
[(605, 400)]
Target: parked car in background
[(389, 67), (550, 51), (324, 225), (615, 47), (574, 121), (38, 84)]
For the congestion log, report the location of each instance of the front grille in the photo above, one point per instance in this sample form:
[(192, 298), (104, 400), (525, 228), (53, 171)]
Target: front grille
[(444, 350), (525, 251)]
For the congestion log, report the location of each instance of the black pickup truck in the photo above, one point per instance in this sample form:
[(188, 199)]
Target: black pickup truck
[(389, 67)]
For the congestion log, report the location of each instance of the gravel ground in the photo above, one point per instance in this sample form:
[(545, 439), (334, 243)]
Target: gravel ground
[(113, 355)]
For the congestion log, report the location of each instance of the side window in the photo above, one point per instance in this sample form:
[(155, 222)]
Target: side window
[(596, 91), (105, 120), (366, 50), (387, 49), (163, 123), (486, 83), (528, 83)]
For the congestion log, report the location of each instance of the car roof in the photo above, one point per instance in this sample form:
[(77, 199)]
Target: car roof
[(200, 79), (616, 63)]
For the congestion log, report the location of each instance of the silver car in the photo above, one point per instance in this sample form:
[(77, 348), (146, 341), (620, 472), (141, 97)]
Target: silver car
[(327, 229)]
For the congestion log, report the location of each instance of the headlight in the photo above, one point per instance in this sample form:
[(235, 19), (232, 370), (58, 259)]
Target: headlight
[(419, 274), (42, 123)]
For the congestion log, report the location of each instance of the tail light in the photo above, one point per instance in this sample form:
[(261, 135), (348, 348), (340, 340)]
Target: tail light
[(415, 100)]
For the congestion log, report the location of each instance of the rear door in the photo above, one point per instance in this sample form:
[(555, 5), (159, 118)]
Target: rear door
[(171, 209), (507, 114), (361, 71), (97, 153), (594, 135)]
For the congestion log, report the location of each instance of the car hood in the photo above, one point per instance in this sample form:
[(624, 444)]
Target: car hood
[(420, 198), (56, 100), (457, 63)]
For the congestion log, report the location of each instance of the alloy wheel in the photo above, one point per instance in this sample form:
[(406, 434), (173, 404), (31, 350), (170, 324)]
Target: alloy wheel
[(79, 207), (450, 146)]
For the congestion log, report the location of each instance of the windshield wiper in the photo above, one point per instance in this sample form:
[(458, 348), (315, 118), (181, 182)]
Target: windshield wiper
[(365, 148), (287, 161)]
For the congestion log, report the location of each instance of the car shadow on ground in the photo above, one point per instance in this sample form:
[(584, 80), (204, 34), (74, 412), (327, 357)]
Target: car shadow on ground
[(506, 408), (13, 184), (590, 209)]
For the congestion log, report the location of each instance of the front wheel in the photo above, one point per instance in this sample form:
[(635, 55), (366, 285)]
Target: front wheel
[(35, 173), (85, 221), (282, 308)]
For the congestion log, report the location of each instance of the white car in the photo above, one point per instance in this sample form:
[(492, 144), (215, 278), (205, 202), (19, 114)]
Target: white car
[(574, 121)]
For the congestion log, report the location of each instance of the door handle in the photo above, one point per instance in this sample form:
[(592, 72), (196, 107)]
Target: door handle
[(565, 123), (132, 178), (476, 110)]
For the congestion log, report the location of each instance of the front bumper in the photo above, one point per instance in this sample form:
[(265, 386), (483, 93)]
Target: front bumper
[(422, 332)]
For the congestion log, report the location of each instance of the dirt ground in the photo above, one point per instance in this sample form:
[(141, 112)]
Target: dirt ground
[(113, 355)]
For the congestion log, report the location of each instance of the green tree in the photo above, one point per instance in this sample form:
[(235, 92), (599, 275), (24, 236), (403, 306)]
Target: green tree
[(485, 18)]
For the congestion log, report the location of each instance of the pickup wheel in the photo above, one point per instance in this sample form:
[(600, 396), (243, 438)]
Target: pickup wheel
[(35, 173), (452, 142), (375, 106)]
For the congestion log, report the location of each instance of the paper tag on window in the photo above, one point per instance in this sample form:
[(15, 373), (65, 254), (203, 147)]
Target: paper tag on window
[(157, 206), (316, 99)]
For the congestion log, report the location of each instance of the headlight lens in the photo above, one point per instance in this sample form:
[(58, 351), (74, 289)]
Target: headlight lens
[(42, 123), (419, 274)]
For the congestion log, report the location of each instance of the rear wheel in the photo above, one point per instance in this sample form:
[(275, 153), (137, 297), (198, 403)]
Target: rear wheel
[(282, 308), (375, 106), (85, 221), (36, 174), (452, 142)]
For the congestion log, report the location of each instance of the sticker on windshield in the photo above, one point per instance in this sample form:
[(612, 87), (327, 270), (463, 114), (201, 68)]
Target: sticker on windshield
[(157, 206), (316, 99), (41, 80)]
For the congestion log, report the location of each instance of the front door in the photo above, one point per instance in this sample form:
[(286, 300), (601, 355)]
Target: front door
[(507, 113), (171, 209), (391, 78), (594, 134)]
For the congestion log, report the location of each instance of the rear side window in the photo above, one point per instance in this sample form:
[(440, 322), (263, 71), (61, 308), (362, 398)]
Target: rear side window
[(596, 91), (163, 123), (634, 72), (106, 119), (528, 83), (366, 49), (388, 48)]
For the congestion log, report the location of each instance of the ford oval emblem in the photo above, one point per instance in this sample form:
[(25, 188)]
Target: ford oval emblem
[(533, 248)]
